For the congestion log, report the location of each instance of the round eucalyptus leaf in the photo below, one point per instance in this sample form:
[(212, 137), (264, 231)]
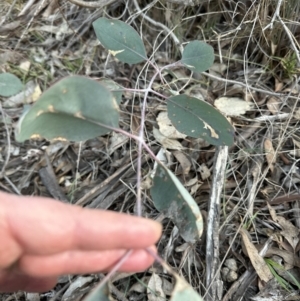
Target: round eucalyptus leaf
[(195, 118), (198, 56), (121, 40), (75, 108), (9, 85), (171, 198)]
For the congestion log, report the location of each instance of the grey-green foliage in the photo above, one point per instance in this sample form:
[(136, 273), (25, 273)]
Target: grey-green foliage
[(121, 40), (195, 118), (198, 56), (9, 85), (75, 108), (171, 198)]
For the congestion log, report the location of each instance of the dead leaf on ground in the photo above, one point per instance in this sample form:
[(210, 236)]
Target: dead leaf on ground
[(257, 261), (233, 106), (273, 105), (289, 231), (165, 141), (155, 290), (289, 258), (185, 163), (204, 171), (270, 154)]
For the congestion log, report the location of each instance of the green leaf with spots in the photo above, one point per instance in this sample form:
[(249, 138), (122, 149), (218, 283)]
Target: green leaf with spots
[(171, 198), (121, 40), (75, 108), (9, 85), (99, 294), (198, 56), (195, 118)]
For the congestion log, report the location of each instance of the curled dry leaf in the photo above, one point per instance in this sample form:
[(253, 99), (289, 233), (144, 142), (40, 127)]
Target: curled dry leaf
[(289, 231), (166, 142), (273, 104), (270, 154), (204, 171), (185, 163), (155, 290), (257, 261), (232, 106)]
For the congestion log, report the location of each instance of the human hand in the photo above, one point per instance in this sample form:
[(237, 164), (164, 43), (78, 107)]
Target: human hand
[(43, 238)]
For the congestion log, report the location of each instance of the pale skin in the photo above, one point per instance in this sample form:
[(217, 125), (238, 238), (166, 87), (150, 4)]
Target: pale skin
[(42, 239)]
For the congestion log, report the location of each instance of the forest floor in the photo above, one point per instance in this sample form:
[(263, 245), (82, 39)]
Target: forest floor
[(257, 64)]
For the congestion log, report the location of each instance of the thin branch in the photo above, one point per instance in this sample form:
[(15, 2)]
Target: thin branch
[(92, 4), (213, 222), (234, 82)]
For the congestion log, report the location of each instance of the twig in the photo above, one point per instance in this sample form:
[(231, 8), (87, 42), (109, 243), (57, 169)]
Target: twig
[(115, 268), (230, 81), (158, 24), (8, 142), (39, 8), (277, 11), (212, 246), (9, 12), (92, 4), (287, 31), (26, 7)]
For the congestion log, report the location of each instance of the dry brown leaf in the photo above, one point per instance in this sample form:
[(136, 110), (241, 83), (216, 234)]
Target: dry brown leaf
[(273, 105), (165, 141), (289, 231), (289, 258), (204, 171), (278, 85), (25, 65), (257, 261), (270, 153), (185, 163), (155, 291), (117, 140), (233, 106)]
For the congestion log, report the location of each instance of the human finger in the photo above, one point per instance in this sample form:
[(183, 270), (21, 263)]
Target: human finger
[(45, 226), (82, 262)]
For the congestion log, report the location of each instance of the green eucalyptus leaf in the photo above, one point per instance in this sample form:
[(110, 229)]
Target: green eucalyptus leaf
[(198, 56), (121, 40), (171, 198), (75, 108), (195, 118), (9, 85), (183, 291), (99, 294)]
